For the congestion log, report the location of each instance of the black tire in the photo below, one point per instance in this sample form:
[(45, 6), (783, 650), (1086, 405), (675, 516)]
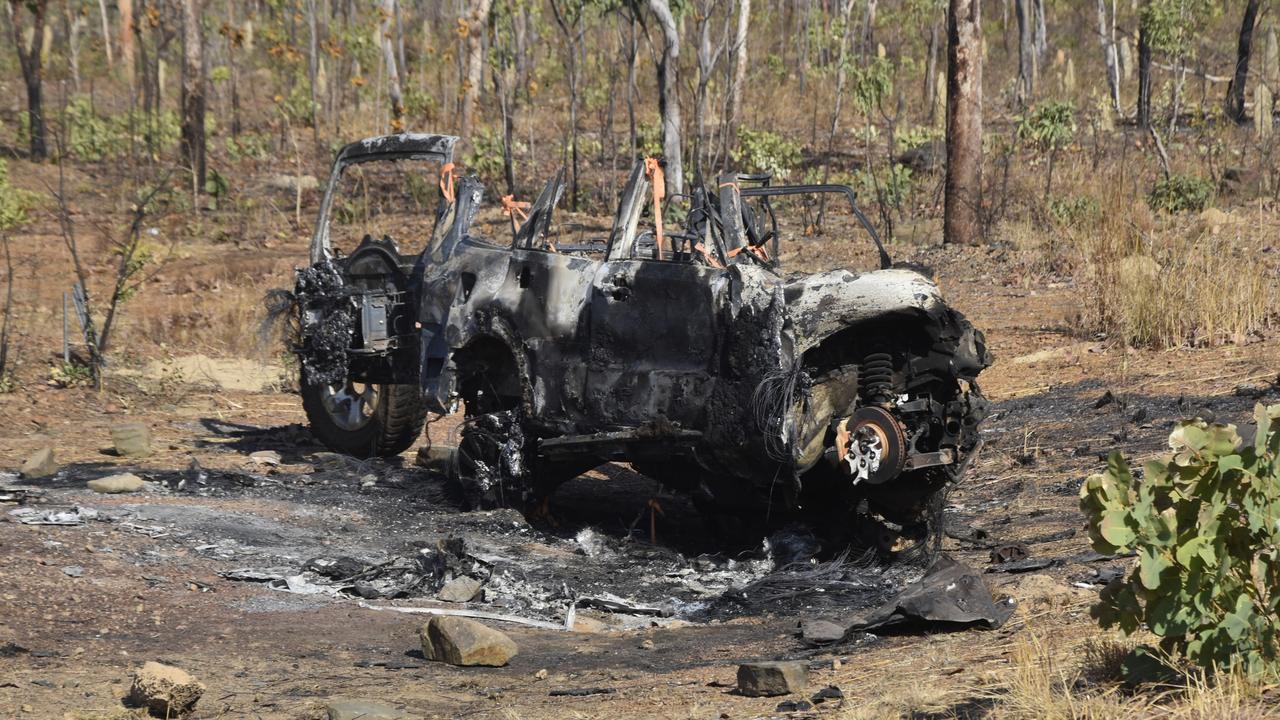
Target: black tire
[(393, 423)]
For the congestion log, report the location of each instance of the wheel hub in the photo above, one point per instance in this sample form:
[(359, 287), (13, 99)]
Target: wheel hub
[(350, 406), (871, 446)]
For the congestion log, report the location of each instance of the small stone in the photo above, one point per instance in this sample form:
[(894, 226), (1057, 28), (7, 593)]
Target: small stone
[(459, 590), (265, 457), (122, 483), (41, 464), (164, 690), (647, 645), (589, 625), (794, 705), (131, 440), (765, 679), (364, 710), (459, 641), (73, 571), (540, 675)]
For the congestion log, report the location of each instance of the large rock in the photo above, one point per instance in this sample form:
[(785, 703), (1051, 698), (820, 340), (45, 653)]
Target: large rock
[(766, 679), (165, 691), (364, 710), (122, 483), (459, 641), (459, 590), (131, 440), (41, 464)]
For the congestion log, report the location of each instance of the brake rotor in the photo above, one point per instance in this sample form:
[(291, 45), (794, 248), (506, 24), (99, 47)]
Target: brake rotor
[(871, 446)]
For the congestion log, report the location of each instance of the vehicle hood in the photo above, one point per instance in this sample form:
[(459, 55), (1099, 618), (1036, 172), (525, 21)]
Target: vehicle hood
[(821, 304)]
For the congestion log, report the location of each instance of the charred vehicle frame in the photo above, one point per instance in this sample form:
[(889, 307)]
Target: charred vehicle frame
[(847, 398)]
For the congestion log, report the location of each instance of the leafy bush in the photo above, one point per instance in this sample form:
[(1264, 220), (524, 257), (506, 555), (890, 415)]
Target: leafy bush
[(88, 136), (485, 157), (1181, 193), (14, 202), (764, 151), (1049, 127), (1205, 524), (1076, 211)]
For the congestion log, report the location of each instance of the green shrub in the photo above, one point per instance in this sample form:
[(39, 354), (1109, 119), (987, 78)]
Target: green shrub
[(1075, 211), (1181, 193), (14, 202), (1204, 522), (764, 151), (1049, 127), (485, 157), (89, 137)]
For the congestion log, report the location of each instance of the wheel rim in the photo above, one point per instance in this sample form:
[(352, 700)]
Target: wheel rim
[(350, 406)]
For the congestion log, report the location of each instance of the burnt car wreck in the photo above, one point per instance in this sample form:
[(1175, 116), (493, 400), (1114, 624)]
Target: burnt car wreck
[(847, 399)]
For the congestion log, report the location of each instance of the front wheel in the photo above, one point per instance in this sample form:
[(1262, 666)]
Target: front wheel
[(364, 419)]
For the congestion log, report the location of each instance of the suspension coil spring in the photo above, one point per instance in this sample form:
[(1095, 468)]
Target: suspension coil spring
[(877, 377)]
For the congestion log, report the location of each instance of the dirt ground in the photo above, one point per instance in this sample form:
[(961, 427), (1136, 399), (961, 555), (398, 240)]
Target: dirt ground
[(82, 606)]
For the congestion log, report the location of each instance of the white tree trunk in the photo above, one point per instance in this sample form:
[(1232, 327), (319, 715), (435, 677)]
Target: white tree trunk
[(477, 18), (668, 95), (388, 12), (1109, 55)]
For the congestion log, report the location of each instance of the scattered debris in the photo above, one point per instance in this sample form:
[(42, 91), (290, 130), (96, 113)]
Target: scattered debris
[(1106, 399), (120, 483), (478, 614), (609, 602), (459, 641), (1027, 565), (165, 691), (949, 596), (364, 710), (40, 464), (794, 706), (131, 439), (767, 679), (74, 571), (55, 515), (582, 692), (1008, 553), (830, 692)]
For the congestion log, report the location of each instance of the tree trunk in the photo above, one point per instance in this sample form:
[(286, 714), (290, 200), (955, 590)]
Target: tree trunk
[(477, 18), (963, 190), (1235, 91), (668, 95), (1027, 55), (739, 75), (106, 34), (1144, 78), (1109, 55), (394, 91), (30, 58), (126, 37), (931, 71), (193, 91), (312, 60)]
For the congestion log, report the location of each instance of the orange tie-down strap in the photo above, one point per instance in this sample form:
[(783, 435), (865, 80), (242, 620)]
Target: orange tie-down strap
[(653, 171), (706, 255), (511, 208), (447, 176)]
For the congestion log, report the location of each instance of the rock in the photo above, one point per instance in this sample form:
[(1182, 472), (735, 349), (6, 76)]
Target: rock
[(794, 706), (459, 590), (647, 645), (73, 571), (821, 632), (590, 625), (164, 690), (364, 710), (121, 483), (131, 440), (41, 464), (459, 641), (265, 457), (830, 692), (766, 679)]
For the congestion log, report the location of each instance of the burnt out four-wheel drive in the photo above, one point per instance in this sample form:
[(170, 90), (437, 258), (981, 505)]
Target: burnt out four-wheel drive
[(847, 399)]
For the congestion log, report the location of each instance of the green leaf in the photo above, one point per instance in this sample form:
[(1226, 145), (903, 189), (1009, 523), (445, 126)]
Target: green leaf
[(1238, 621), (1115, 529), (1151, 565)]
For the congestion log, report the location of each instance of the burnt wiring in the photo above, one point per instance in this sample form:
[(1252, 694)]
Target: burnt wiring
[(772, 402)]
